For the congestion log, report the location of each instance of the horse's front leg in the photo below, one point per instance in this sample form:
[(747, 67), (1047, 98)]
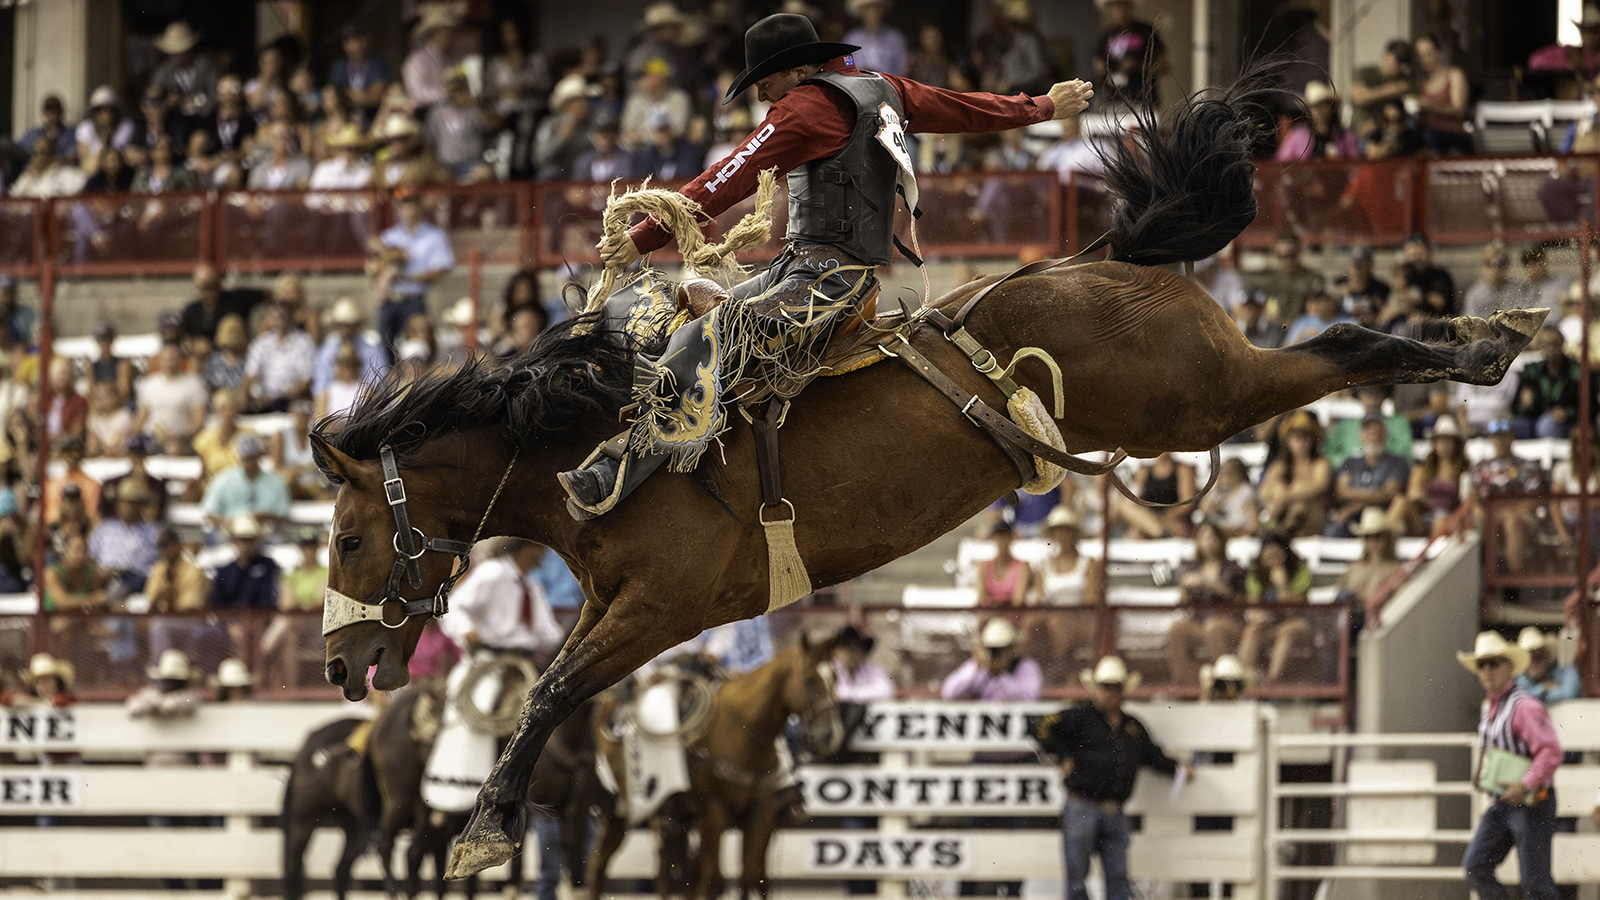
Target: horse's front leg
[(643, 622), (709, 825)]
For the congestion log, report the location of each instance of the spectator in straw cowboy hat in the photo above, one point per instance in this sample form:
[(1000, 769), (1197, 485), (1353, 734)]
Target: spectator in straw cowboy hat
[(124, 546), (46, 682), (1545, 679), (563, 136), (423, 71), (171, 696), (346, 320), (1100, 749), (346, 169), (1224, 680), (1522, 813), (1363, 578), (250, 581), (403, 159), (996, 670), (233, 681), (188, 78)]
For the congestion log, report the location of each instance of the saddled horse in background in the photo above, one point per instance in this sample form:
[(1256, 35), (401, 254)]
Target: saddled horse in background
[(876, 462), (398, 753), (329, 785), (735, 776)]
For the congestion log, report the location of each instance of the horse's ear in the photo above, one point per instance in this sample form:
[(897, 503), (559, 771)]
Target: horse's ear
[(338, 466)]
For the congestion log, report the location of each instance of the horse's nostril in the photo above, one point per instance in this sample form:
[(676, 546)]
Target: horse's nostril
[(336, 672)]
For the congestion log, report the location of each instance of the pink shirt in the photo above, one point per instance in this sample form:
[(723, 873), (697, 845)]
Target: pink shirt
[(1530, 722), (973, 682)]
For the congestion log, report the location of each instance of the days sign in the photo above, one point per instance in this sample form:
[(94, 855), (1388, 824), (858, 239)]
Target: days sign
[(975, 726), (920, 853), (27, 726), (39, 790), (944, 790)]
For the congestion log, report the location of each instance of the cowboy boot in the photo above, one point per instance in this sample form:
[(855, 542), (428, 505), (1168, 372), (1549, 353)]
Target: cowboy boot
[(615, 468)]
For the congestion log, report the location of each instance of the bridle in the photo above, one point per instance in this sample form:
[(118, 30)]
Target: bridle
[(385, 605)]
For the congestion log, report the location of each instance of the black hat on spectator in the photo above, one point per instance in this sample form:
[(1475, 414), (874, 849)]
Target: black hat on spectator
[(781, 42), (140, 445), (72, 491), (170, 321), (104, 330), (851, 636)]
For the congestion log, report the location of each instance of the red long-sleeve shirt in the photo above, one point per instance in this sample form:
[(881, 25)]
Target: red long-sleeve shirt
[(814, 122)]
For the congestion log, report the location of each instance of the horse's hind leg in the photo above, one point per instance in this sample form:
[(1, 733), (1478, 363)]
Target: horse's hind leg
[(297, 833)]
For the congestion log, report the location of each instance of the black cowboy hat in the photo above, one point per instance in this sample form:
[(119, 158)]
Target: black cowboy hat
[(851, 636), (781, 42)]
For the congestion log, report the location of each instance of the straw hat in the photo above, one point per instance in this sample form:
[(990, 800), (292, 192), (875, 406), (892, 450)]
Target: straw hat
[(1531, 639), (344, 312), (663, 13), (1226, 668), (232, 673), (1061, 517), (460, 314), (397, 125), (172, 666), (1375, 521), (1489, 645), (244, 527), (998, 633), (133, 490), (104, 95), (348, 137), (433, 19), (1319, 92), (1110, 670), (43, 664), (570, 88), (1445, 426), (1300, 420), (177, 38)]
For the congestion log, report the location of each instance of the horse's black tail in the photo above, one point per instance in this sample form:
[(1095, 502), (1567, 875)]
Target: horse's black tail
[(1183, 188)]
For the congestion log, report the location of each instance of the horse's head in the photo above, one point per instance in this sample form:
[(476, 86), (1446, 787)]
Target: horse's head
[(380, 593), (808, 693)]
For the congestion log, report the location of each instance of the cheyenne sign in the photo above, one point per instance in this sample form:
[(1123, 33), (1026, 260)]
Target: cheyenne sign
[(924, 725), (944, 790), (37, 726)]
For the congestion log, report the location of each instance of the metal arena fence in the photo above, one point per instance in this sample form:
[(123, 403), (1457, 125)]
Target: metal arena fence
[(544, 224)]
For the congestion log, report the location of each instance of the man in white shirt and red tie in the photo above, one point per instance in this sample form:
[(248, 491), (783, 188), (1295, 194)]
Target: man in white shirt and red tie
[(498, 607)]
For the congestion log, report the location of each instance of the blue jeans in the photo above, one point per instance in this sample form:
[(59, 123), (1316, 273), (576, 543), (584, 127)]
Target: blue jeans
[(1086, 830), (393, 314), (548, 831), (1529, 829)]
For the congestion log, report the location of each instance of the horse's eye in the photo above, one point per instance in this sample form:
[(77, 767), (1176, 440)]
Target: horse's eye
[(349, 544)]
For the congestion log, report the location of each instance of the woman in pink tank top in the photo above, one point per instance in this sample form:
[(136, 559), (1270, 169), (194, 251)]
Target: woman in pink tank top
[(1441, 100), (1005, 580)]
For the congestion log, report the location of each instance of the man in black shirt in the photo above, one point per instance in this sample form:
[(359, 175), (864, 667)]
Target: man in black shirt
[(1101, 749), (201, 315), (1433, 290)]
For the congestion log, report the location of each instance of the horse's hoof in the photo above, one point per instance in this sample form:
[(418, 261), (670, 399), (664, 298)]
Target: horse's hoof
[(483, 844), (1519, 325)]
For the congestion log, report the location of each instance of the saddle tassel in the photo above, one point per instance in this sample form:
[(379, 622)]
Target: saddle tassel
[(786, 571)]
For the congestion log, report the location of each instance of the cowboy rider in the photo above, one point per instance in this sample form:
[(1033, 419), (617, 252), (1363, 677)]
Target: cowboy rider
[(838, 134)]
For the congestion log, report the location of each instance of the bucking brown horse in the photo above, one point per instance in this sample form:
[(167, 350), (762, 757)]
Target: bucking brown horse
[(876, 462)]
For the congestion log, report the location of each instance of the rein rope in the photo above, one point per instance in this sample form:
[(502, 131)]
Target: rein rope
[(681, 217)]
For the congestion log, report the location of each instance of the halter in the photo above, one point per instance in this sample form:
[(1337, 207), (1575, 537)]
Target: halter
[(385, 603)]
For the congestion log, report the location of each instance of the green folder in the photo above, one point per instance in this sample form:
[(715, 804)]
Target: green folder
[(1500, 768)]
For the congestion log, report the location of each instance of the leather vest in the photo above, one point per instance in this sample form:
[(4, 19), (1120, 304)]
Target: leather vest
[(848, 199)]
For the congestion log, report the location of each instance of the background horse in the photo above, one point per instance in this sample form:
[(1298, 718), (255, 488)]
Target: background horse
[(398, 753), (329, 785), (876, 462), (735, 776)]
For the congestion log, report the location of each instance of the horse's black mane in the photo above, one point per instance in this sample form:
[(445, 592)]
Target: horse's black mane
[(546, 393)]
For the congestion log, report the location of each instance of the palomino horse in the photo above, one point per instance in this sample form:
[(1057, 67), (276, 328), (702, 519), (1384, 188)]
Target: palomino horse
[(734, 772), (876, 462)]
